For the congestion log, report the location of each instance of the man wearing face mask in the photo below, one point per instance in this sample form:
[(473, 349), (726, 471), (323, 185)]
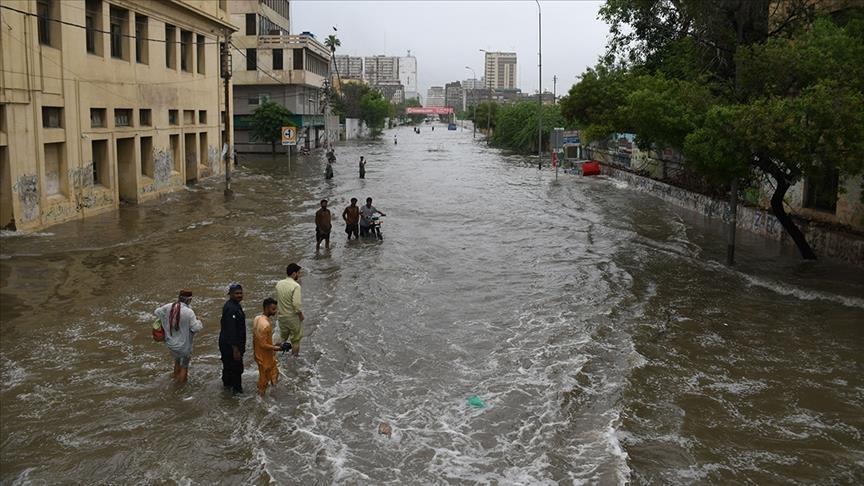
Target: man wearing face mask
[(290, 308)]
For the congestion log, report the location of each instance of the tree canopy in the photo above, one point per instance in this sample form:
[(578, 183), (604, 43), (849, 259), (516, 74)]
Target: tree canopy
[(374, 109), (741, 88), (267, 122)]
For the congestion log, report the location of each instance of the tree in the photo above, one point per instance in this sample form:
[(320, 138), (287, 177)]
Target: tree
[(516, 126), (373, 110), (348, 105), (737, 93), (267, 122)]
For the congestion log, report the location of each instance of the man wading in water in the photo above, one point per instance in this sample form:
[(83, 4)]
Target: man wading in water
[(290, 308), (232, 339), (180, 325), (323, 226)]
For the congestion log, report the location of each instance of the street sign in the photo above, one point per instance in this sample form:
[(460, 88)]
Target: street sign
[(289, 135), (572, 137)]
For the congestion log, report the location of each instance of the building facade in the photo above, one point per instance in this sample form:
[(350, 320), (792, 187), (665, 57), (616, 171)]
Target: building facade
[(380, 68), (392, 90), (348, 67), (500, 70), (408, 76), (270, 63), (454, 96), (103, 102), (435, 96)]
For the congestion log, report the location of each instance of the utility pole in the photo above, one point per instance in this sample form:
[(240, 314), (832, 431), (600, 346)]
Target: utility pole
[(229, 138), (539, 89), (474, 91)]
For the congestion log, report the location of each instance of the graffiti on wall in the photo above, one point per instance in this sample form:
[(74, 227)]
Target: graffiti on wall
[(163, 165), (28, 196), (82, 176)]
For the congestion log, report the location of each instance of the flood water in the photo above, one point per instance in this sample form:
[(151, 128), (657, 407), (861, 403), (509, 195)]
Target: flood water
[(598, 324)]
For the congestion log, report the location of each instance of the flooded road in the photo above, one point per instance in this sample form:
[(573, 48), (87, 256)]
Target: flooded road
[(597, 324)]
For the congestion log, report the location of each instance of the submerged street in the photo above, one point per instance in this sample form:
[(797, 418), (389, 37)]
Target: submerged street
[(598, 324)]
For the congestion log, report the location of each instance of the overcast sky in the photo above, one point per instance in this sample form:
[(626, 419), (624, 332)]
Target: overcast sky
[(445, 35)]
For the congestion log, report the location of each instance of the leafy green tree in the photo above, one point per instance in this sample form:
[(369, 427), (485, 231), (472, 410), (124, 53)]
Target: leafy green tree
[(486, 113), (737, 94), (374, 109), (348, 104), (516, 126), (267, 122)]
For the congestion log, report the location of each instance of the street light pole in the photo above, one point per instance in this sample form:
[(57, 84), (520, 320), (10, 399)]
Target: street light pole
[(474, 89), (539, 89)]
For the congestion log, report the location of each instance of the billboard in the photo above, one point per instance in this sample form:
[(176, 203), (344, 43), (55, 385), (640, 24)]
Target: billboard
[(571, 137), (432, 110)]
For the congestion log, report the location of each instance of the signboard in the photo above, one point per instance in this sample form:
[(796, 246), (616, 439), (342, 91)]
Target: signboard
[(289, 135), (572, 137), (432, 110), (557, 137)]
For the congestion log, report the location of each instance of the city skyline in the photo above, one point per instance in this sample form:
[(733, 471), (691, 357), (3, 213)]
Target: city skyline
[(573, 37)]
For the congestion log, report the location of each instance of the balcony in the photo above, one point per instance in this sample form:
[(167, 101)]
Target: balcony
[(293, 42)]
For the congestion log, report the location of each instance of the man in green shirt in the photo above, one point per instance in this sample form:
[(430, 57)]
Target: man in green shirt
[(290, 309)]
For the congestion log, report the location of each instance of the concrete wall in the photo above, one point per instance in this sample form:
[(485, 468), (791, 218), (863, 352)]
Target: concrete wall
[(825, 241), (53, 173), (355, 128)]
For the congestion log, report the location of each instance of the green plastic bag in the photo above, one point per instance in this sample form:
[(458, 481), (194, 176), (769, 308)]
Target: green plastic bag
[(476, 402)]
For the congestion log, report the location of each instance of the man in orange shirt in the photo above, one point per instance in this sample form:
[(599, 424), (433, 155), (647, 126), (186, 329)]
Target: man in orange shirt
[(265, 350)]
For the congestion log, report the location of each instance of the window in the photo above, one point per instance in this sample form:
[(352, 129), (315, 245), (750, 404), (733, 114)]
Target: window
[(119, 31), (821, 193), (222, 117), (253, 100), (172, 117), (100, 162), (93, 26), (174, 142), (277, 59), (250, 23), (55, 169), (199, 55), (52, 117), (123, 117), (186, 51), (45, 13), (145, 118), (170, 46), (223, 4), (97, 117), (298, 59), (202, 117), (188, 117), (251, 59), (142, 53), (147, 167)]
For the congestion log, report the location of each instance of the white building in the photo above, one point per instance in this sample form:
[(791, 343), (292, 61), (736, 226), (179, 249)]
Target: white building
[(380, 68), (435, 96), (408, 75), (501, 70)]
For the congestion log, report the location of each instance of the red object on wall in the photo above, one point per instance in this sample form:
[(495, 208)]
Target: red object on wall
[(592, 167)]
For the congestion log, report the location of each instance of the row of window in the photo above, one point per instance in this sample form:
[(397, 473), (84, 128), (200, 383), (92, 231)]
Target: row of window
[(279, 61), (52, 117), (256, 25), (119, 37)]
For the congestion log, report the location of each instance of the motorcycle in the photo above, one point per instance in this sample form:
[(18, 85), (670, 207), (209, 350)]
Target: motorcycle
[(374, 228)]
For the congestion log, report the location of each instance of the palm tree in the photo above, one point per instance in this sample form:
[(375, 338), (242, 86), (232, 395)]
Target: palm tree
[(332, 42)]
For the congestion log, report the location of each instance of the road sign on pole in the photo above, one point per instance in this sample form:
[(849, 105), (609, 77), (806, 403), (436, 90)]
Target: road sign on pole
[(289, 135)]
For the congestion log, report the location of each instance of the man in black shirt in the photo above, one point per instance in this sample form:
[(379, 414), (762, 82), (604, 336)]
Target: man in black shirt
[(232, 339)]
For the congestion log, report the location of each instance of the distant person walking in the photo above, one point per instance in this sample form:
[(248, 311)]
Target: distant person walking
[(290, 308), (362, 168), (180, 325), (232, 339), (322, 226), (351, 216), (262, 344)]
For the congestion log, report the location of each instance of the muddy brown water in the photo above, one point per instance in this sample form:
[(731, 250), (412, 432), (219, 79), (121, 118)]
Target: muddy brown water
[(598, 324)]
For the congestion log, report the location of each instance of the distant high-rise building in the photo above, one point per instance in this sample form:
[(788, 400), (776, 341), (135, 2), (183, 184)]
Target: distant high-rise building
[(392, 90), (501, 70), (435, 96), (349, 67), (380, 68), (408, 75), (474, 83), (453, 96)]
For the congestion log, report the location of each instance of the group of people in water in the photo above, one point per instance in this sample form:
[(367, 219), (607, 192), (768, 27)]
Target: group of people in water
[(359, 221), (179, 324)]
